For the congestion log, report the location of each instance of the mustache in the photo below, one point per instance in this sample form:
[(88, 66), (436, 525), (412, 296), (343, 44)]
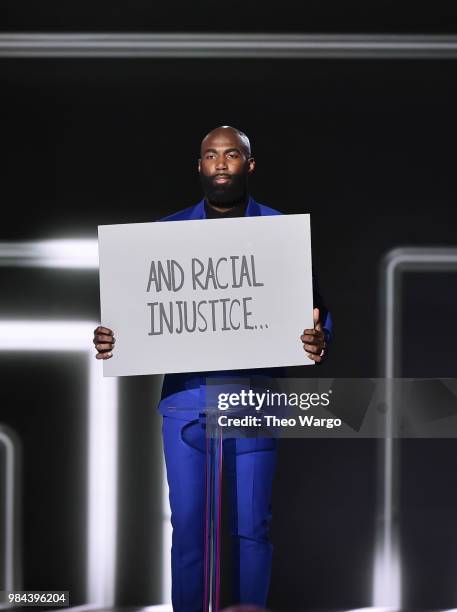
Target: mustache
[(222, 175)]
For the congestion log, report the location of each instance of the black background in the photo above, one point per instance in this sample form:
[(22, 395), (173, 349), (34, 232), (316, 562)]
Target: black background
[(236, 16)]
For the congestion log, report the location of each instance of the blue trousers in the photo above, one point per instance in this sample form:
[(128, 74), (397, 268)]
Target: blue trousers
[(249, 465)]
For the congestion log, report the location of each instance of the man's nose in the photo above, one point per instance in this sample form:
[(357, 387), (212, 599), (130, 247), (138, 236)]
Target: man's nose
[(221, 164)]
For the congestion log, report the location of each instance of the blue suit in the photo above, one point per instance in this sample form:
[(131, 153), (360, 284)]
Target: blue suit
[(249, 464)]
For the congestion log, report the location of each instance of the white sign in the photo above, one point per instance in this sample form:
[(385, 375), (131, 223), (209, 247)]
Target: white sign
[(211, 294)]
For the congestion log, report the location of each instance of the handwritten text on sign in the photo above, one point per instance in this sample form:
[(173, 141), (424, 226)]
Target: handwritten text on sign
[(206, 295), (224, 314)]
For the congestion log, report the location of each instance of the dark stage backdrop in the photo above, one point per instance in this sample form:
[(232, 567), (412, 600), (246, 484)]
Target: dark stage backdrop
[(238, 16), (366, 147)]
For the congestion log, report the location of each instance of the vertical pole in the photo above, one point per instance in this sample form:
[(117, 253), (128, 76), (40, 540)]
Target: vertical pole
[(212, 520)]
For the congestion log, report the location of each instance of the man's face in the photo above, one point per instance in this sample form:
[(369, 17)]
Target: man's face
[(224, 167)]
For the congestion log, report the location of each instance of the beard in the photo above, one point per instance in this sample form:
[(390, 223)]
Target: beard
[(227, 195)]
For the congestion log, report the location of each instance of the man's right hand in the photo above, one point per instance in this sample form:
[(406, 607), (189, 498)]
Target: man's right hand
[(104, 342)]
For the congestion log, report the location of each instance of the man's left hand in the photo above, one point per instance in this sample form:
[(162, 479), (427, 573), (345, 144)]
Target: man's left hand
[(314, 339)]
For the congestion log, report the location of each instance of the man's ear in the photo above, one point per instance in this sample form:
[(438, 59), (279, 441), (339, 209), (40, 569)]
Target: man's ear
[(251, 165)]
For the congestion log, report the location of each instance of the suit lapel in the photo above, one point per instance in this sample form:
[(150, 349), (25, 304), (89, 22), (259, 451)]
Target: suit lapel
[(198, 211), (252, 209)]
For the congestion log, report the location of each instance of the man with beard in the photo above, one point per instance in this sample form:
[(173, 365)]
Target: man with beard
[(224, 166)]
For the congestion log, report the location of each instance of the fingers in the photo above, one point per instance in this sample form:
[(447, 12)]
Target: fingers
[(106, 355), (103, 330), (314, 340), (104, 342), (316, 318), (316, 358), (316, 349), (104, 350), (311, 336), (104, 338), (106, 346)]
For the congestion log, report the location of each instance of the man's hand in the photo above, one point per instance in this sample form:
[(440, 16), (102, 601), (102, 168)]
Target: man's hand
[(104, 342), (314, 339)]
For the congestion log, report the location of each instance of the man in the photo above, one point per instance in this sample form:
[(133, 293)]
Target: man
[(225, 165)]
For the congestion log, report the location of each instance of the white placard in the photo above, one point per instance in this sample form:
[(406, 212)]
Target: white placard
[(204, 295)]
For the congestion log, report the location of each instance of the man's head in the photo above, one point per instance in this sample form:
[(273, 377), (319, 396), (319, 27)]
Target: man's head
[(224, 166)]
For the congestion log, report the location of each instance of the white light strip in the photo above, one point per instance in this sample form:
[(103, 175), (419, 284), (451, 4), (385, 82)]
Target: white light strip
[(102, 473), (231, 45), (387, 567), (387, 570), (71, 253), (102, 424), (10, 451), (25, 335), (417, 258), (372, 609)]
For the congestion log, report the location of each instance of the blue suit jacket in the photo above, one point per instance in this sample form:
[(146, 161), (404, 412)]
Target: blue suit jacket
[(183, 395)]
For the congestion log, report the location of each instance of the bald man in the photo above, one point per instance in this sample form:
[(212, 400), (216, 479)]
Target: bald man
[(224, 166)]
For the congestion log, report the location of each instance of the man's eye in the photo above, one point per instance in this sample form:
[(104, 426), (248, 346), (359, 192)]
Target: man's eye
[(232, 155)]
